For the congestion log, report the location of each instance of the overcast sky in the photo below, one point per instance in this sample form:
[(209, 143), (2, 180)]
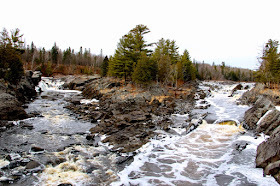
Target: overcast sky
[(233, 31)]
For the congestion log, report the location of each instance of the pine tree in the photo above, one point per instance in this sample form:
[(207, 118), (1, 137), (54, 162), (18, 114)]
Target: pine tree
[(130, 48), (143, 71), (11, 66), (54, 54), (189, 70), (104, 67)]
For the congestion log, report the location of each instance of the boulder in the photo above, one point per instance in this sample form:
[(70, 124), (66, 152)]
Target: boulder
[(32, 165), (268, 156), (252, 116), (237, 87), (269, 122), (10, 108)]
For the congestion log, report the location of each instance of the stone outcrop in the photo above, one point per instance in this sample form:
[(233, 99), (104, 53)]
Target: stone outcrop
[(268, 156), (269, 123), (263, 117), (12, 97), (254, 114), (126, 114)]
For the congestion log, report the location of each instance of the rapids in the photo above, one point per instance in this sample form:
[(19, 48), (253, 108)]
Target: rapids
[(212, 154), (218, 152)]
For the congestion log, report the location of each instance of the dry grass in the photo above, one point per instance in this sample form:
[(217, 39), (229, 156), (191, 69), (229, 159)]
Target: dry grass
[(271, 92), (159, 98)]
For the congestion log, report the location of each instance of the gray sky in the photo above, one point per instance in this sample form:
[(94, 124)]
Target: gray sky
[(233, 31)]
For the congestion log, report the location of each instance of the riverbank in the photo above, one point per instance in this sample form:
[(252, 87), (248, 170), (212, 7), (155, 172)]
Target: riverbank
[(264, 117), (13, 98)]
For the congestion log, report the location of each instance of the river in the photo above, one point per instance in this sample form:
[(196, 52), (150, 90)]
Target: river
[(218, 152)]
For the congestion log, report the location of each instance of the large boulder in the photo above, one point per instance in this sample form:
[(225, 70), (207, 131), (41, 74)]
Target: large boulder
[(252, 116), (268, 156), (269, 122), (10, 108)]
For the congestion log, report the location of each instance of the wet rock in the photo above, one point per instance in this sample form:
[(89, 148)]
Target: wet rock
[(34, 114), (32, 165), (13, 156), (241, 146), (269, 122), (123, 161), (27, 126), (13, 164), (253, 115), (268, 156), (95, 138), (65, 184), (236, 88), (37, 149)]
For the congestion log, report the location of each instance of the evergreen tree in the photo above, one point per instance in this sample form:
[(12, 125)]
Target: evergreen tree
[(11, 66), (129, 51), (166, 57), (143, 71), (67, 56), (104, 67), (54, 54), (189, 70)]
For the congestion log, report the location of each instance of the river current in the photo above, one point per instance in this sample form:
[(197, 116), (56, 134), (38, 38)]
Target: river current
[(218, 152)]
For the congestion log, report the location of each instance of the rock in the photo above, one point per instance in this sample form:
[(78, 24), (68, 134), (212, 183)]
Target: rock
[(95, 138), (237, 87), (122, 161), (13, 157), (79, 82), (37, 149), (36, 77), (65, 184), (27, 126), (272, 168), (241, 146), (268, 156), (32, 165), (269, 122), (253, 115), (10, 108)]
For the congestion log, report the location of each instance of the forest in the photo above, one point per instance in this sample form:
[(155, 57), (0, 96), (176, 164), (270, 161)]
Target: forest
[(134, 60)]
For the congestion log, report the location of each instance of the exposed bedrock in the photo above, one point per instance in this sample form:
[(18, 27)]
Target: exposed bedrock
[(12, 97), (263, 117)]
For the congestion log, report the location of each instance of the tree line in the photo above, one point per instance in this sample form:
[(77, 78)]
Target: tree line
[(134, 60), (269, 70), (65, 61)]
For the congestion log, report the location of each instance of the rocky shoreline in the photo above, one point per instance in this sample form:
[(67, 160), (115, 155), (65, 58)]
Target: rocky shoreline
[(263, 117), (129, 116), (13, 98)]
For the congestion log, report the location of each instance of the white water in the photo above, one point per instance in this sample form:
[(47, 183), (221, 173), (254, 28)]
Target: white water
[(206, 156), (209, 155)]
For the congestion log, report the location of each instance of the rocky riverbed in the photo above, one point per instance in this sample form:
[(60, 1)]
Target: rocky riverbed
[(129, 115), (110, 132)]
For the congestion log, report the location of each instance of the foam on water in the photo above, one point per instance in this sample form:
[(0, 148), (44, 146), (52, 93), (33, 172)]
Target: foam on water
[(53, 84), (84, 165), (212, 154), (201, 157)]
